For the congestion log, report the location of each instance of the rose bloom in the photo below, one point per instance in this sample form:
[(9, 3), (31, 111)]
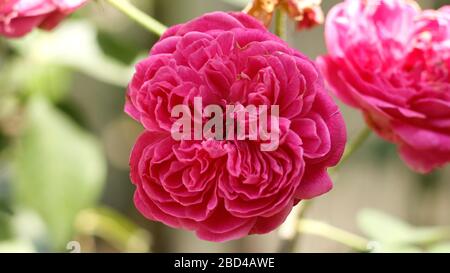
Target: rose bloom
[(19, 17), (392, 61), (226, 190)]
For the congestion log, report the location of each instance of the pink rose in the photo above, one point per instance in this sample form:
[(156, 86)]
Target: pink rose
[(226, 190), (19, 17), (392, 61)]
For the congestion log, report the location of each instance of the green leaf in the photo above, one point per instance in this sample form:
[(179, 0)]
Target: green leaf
[(5, 188), (389, 230), (47, 79), (17, 246), (74, 44), (28, 226), (395, 248), (3, 141), (114, 228), (50, 81), (425, 236), (383, 228), (5, 227), (59, 169), (117, 48), (440, 248)]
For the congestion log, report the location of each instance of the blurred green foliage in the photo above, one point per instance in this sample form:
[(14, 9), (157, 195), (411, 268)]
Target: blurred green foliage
[(118, 230), (78, 36), (3, 141), (53, 167), (59, 169), (117, 48), (440, 3), (49, 81), (382, 151), (5, 228), (393, 235)]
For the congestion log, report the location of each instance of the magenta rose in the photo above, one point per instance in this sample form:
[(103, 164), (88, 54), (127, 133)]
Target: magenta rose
[(227, 189), (19, 17), (392, 61)]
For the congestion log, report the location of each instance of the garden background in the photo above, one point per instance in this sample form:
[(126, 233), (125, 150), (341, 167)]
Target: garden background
[(65, 143)]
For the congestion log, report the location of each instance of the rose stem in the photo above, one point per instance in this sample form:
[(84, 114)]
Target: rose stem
[(280, 23), (290, 235), (325, 230), (356, 143), (138, 16)]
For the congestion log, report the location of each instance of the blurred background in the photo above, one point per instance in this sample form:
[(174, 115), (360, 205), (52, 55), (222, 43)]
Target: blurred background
[(65, 143)]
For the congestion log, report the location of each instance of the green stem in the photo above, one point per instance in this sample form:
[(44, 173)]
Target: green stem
[(280, 23), (325, 230), (351, 148), (355, 145), (138, 16)]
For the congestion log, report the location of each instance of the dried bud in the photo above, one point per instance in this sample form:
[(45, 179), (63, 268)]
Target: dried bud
[(307, 13), (262, 10)]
